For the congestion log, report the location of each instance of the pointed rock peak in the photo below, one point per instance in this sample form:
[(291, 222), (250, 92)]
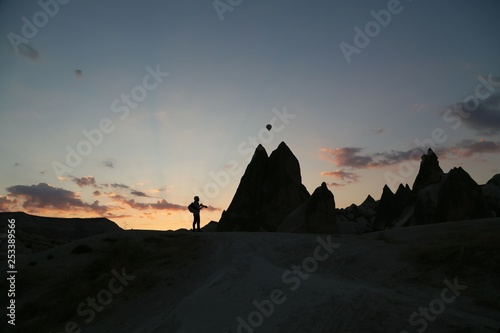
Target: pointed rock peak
[(387, 190), (459, 172), (283, 145), (429, 173), (260, 152), (282, 150), (368, 201), (403, 189)]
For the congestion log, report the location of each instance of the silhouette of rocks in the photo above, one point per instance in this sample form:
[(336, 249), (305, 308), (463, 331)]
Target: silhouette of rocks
[(210, 227), (429, 173), (403, 206), (456, 197), (270, 189), (460, 198), (283, 189), (316, 215), (491, 192), (357, 219), (271, 197), (245, 210), (368, 207), (385, 213)]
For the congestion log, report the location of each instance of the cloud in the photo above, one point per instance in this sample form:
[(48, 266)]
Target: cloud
[(420, 107), (97, 193), (17, 165), (122, 186), (345, 177), (44, 196), (109, 163), (28, 51), (85, 181), (158, 205), (139, 193), (351, 157), (483, 116), (164, 204), (8, 205), (469, 148), (342, 175), (347, 157)]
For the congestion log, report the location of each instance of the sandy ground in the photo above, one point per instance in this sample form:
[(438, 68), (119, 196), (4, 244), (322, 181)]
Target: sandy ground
[(437, 278)]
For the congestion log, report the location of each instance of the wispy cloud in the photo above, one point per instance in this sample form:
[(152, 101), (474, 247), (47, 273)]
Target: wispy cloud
[(109, 163), (139, 193), (469, 148), (352, 157), (158, 205), (344, 176), (420, 107), (484, 117), (116, 185), (28, 51), (85, 181)]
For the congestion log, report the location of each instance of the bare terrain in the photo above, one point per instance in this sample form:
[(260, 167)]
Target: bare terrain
[(436, 278)]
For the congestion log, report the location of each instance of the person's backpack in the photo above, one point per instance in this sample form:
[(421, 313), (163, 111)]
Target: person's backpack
[(191, 208)]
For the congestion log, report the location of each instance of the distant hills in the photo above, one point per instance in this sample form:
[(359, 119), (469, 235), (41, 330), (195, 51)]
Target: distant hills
[(35, 233)]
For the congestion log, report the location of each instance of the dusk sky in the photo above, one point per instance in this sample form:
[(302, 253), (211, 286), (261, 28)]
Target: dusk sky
[(128, 109)]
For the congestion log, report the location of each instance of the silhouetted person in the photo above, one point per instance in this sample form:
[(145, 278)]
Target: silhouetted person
[(195, 208)]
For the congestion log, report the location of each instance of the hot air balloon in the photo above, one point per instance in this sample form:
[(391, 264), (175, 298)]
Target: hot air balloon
[(269, 126)]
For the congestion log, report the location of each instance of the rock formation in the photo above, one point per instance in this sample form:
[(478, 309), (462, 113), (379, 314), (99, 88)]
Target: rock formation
[(271, 197), (460, 198), (456, 196), (245, 210), (357, 219), (270, 189), (316, 215), (491, 192), (385, 213), (429, 173)]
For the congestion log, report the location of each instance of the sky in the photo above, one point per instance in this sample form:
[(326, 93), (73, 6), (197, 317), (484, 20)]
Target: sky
[(128, 110)]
